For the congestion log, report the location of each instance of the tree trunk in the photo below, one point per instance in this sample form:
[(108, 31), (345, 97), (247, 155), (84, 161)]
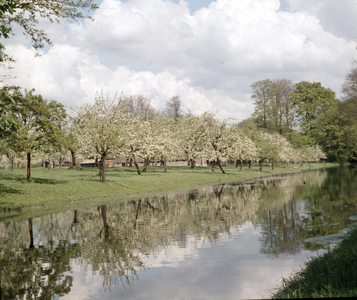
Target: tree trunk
[(193, 163), (161, 163), (237, 162), (250, 164), (31, 234), (213, 166), (103, 210), (73, 154), (11, 162), (106, 228), (102, 169), (144, 165), (49, 163), (96, 162), (137, 213), (260, 164), (241, 165), (130, 162), (146, 161), (219, 164), (273, 164), (75, 217), (28, 166), (137, 167), (60, 161)]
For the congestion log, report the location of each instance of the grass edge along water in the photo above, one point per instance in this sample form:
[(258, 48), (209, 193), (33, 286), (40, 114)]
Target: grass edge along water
[(68, 189), (65, 185), (330, 275)]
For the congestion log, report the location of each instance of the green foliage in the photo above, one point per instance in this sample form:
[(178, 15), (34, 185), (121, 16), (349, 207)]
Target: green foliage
[(40, 121), (39, 124), (6, 6), (27, 14), (296, 139), (25, 272), (337, 131), (8, 122), (308, 114), (310, 99), (331, 275), (334, 273), (274, 110), (262, 91)]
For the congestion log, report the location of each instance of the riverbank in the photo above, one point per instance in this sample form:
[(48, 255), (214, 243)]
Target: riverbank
[(331, 275), (68, 185)]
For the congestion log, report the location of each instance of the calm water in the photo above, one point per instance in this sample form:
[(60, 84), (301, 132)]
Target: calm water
[(232, 241)]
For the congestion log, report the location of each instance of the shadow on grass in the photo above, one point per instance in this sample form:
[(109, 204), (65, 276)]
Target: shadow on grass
[(47, 181), (33, 180), (157, 170), (78, 168), (8, 190)]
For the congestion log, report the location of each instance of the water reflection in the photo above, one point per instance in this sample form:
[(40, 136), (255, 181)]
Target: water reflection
[(219, 230)]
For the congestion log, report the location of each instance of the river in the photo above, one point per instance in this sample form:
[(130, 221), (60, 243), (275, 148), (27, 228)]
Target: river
[(227, 241)]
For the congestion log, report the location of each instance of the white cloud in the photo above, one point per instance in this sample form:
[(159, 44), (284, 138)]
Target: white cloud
[(209, 57), (336, 17), (74, 76)]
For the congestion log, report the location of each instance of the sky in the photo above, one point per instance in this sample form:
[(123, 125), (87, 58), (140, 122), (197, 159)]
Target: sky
[(207, 52)]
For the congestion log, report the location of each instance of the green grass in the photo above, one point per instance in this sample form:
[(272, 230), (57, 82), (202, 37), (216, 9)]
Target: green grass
[(333, 274), (68, 185)]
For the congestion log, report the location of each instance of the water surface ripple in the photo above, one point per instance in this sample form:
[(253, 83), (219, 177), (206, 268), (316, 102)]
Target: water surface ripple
[(228, 241)]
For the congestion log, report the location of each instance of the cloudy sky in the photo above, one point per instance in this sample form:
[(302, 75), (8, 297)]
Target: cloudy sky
[(206, 52)]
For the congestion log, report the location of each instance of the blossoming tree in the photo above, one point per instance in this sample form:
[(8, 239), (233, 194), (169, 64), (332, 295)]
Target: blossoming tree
[(101, 128)]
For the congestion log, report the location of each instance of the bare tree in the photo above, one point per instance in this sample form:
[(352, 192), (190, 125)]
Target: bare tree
[(282, 108), (138, 106), (274, 109), (349, 100), (173, 106), (349, 88)]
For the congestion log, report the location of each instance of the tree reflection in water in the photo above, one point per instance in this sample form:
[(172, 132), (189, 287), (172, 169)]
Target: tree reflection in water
[(36, 272), (113, 241)]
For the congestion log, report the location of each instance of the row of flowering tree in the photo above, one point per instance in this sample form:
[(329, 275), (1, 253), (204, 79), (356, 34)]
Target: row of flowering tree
[(128, 127), (107, 127)]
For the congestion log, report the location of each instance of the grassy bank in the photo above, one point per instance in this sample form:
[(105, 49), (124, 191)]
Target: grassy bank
[(331, 275), (68, 185)]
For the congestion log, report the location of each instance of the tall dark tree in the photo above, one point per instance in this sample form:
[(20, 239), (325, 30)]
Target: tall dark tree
[(349, 89), (262, 94), (273, 106), (310, 99), (282, 109)]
